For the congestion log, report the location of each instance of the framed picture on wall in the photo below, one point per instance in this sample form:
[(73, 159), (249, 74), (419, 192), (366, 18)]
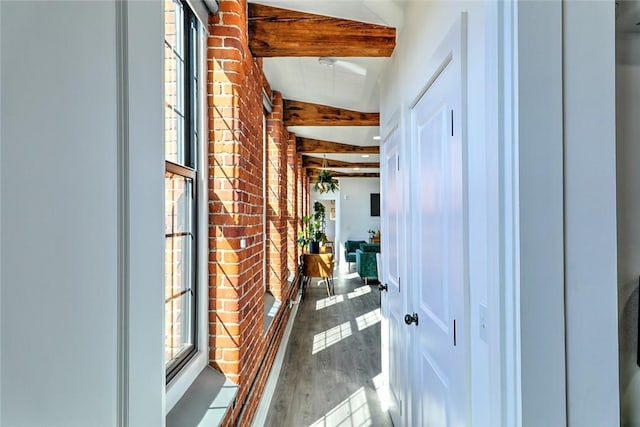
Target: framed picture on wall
[(375, 204)]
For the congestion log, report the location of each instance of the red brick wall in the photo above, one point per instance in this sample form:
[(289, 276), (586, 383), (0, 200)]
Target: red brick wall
[(300, 184), (235, 82), (305, 191), (277, 138), (292, 213)]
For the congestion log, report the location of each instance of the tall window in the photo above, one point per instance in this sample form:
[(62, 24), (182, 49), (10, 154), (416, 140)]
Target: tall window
[(181, 139)]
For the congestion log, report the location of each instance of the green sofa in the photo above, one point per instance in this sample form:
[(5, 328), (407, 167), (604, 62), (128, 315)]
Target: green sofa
[(350, 247), (366, 265)]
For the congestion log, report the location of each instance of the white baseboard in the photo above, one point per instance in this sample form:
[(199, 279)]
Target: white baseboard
[(260, 417)]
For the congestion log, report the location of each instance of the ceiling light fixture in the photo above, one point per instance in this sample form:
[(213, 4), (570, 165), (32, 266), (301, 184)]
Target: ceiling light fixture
[(326, 61), (364, 156), (376, 138), (345, 66)]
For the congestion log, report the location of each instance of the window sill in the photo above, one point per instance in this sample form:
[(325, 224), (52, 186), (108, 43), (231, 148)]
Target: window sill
[(205, 402), (271, 307)]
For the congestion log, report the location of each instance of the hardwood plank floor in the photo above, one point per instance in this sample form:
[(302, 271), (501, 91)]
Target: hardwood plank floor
[(332, 362)]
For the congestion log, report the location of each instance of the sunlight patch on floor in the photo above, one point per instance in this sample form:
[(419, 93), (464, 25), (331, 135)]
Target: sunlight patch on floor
[(381, 390), (351, 412), (357, 292), (349, 276), (329, 301), (368, 319), (331, 336)]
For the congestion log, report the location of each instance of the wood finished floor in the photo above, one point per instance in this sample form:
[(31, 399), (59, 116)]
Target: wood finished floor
[(332, 360)]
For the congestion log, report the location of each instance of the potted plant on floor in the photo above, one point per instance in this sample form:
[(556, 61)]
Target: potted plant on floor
[(312, 232)]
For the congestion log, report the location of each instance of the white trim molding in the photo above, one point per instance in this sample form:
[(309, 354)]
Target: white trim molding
[(141, 170), (122, 79)]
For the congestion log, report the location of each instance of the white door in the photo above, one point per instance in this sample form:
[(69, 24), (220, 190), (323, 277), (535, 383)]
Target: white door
[(394, 332), (437, 288)]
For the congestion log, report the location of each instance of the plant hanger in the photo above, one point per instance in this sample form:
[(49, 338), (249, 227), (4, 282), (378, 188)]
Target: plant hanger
[(325, 181)]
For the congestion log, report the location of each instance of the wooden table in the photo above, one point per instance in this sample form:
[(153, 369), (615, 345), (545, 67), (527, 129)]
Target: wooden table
[(317, 265)]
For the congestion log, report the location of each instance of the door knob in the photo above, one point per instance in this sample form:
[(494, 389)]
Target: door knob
[(382, 287), (409, 319)]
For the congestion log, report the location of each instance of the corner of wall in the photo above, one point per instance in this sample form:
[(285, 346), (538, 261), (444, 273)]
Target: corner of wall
[(628, 204)]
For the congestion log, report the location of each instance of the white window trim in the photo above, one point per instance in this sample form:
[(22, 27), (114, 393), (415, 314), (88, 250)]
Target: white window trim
[(188, 374)]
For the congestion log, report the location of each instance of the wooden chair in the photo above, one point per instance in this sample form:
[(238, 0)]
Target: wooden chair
[(318, 265)]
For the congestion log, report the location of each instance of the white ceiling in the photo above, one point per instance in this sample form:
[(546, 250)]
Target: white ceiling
[(350, 83), (384, 12), (354, 135), (368, 158)]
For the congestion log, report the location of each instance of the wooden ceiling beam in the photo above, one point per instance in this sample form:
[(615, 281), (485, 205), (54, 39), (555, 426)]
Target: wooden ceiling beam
[(298, 113), (313, 175), (310, 146), (316, 163), (281, 32)]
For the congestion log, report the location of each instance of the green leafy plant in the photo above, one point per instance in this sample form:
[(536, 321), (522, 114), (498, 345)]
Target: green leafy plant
[(311, 231), (319, 211), (313, 227), (307, 231), (326, 182)]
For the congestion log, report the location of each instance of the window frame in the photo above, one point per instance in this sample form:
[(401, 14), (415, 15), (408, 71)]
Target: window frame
[(265, 195), (190, 132)]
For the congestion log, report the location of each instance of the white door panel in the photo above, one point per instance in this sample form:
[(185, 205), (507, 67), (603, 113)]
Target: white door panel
[(425, 366), (433, 405), (432, 215), (393, 251), (437, 288), (396, 377)]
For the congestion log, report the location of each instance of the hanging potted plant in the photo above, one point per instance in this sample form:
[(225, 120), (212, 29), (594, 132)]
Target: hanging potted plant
[(326, 182)]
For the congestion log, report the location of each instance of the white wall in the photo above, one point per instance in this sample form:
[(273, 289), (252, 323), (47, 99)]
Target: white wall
[(327, 199), (590, 213), (540, 192), (354, 211), (628, 174), (61, 359)]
